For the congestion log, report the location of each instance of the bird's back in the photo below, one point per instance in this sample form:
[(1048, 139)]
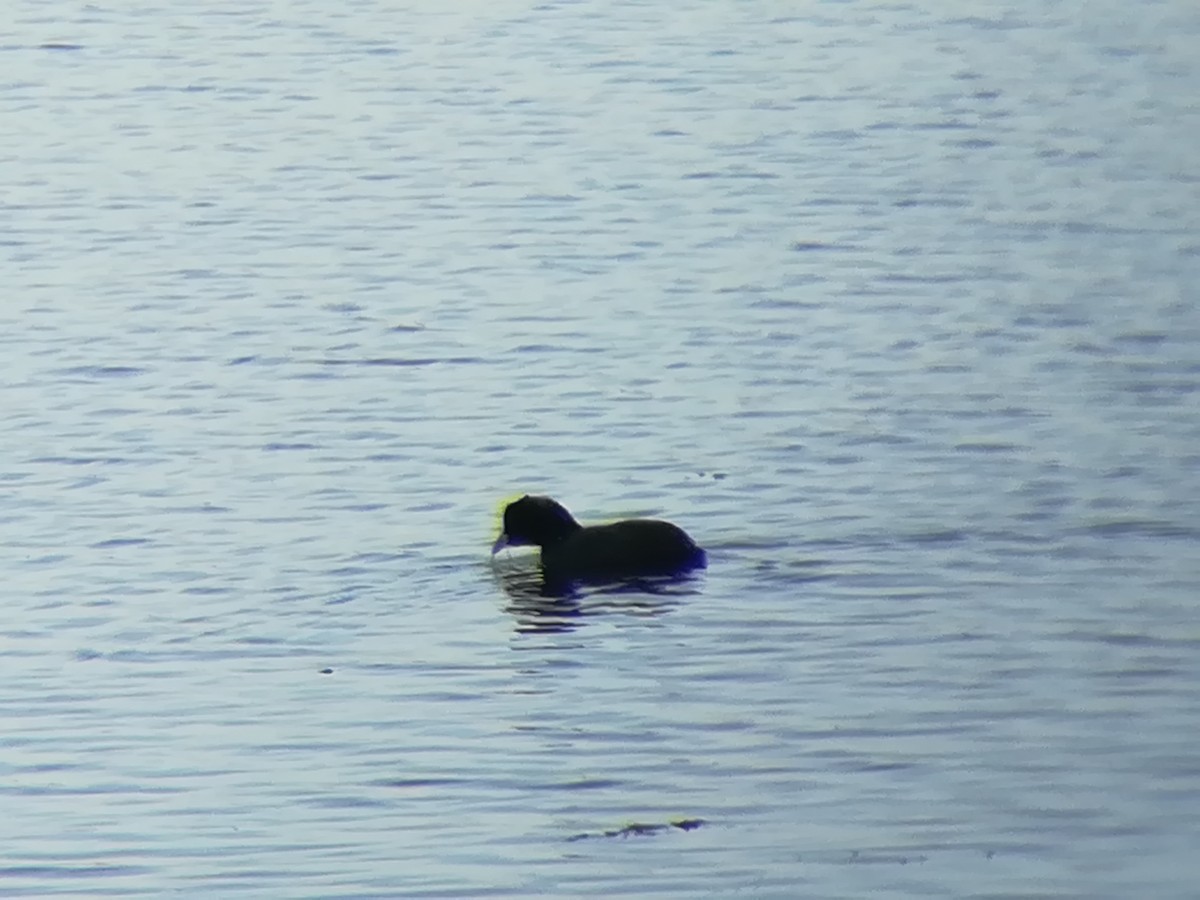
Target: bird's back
[(624, 549)]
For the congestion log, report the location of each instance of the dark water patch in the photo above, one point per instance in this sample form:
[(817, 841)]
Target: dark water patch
[(837, 135), (61, 872), (120, 542), (866, 440), (418, 783), (253, 640), (80, 460), (987, 447), (277, 446), (400, 362), (1142, 338), (131, 789), (1025, 539), (582, 784), (706, 175), (936, 536), (947, 368), (1134, 639), (302, 746), (814, 246), (344, 802), (1162, 392), (877, 857), (1132, 673), (899, 856), (943, 125), (846, 733), (444, 696), (114, 412), (244, 878), (883, 766), (380, 558), (312, 376), (1155, 528), (347, 571), (934, 203), (177, 655), (550, 198), (559, 348), (789, 304), (103, 372), (59, 45), (909, 278)]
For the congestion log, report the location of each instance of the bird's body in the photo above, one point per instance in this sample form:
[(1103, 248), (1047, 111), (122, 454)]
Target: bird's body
[(570, 551)]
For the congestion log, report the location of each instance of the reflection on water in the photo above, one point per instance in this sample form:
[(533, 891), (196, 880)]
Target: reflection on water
[(541, 607)]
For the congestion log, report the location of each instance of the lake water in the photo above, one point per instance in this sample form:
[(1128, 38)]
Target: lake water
[(894, 311)]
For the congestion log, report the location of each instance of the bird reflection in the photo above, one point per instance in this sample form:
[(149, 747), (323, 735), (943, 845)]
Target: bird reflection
[(537, 607), (546, 607)]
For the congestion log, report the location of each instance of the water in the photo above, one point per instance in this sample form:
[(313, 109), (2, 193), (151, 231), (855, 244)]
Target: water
[(894, 312)]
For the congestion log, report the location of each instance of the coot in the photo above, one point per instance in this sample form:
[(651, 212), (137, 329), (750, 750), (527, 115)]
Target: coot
[(631, 548)]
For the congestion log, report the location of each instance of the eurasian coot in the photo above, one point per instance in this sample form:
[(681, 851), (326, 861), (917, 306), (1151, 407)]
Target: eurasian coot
[(631, 548)]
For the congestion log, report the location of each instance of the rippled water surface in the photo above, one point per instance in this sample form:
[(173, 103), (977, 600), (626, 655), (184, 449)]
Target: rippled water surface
[(894, 312)]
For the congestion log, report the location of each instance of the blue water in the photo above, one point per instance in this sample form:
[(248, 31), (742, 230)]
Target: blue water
[(894, 311)]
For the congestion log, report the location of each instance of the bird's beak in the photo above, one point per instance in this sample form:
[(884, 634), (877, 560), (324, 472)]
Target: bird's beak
[(501, 543)]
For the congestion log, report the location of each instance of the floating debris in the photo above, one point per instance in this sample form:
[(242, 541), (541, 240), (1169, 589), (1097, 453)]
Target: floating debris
[(640, 829)]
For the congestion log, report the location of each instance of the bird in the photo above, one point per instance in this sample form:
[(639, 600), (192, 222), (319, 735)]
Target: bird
[(572, 552)]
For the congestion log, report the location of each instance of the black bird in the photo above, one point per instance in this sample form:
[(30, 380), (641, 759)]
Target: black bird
[(627, 549)]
